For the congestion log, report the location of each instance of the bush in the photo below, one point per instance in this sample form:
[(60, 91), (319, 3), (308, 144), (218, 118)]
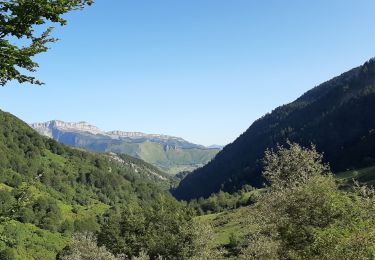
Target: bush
[(84, 246), (304, 215), (162, 228)]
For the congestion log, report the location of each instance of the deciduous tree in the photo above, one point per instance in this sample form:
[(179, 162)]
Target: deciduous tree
[(20, 39)]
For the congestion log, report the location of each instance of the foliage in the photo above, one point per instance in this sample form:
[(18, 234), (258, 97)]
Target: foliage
[(26, 241), (235, 244), (230, 230), (49, 188), (309, 217), (223, 201), (294, 165), (363, 175), (84, 246), (18, 22), (336, 116), (162, 228)]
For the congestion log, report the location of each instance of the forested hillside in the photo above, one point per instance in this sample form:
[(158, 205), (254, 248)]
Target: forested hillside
[(49, 191), (336, 116)]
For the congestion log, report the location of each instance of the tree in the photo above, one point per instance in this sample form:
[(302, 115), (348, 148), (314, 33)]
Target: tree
[(18, 21), (163, 228), (292, 166), (84, 246), (304, 214), (7, 202)]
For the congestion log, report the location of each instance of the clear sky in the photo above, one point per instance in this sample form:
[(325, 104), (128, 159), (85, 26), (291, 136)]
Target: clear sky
[(203, 70)]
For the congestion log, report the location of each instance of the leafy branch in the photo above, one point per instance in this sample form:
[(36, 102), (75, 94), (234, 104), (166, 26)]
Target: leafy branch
[(18, 21)]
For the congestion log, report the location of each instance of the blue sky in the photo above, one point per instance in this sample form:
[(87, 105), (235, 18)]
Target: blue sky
[(201, 70)]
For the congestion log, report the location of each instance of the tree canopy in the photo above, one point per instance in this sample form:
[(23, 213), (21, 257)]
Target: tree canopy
[(20, 40), (306, 215)]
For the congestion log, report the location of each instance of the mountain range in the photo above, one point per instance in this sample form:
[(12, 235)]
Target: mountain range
[(170, 154), (336, 116)]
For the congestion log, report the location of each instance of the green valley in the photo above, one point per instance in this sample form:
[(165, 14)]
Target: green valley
[(49, 191), (298, 183)]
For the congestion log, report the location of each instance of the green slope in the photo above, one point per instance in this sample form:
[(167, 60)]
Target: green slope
[(172, 161), (48, 190), (363, 175), (225, 224)]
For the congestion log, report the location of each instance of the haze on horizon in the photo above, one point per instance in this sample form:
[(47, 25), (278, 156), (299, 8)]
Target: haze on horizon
[(200, 70)]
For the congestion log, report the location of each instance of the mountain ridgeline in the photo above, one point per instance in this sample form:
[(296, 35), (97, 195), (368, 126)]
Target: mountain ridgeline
[(170, 154), (337, 116)]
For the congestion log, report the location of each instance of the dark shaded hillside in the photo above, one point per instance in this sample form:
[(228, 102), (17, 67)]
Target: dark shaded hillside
[(337, 116)]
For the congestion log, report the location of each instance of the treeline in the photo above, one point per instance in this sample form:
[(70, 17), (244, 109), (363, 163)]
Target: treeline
[(223, 201)]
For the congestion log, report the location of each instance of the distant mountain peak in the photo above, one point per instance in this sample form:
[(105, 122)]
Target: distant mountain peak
[(168, 153), (123, 134), (83, 126)]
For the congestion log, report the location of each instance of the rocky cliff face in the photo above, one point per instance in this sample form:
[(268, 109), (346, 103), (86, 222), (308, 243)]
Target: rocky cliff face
[(168, 153), (122, 134), (47, 129)]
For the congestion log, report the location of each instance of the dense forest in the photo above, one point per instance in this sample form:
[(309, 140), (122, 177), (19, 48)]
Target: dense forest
[(336, 116), (49, 191)]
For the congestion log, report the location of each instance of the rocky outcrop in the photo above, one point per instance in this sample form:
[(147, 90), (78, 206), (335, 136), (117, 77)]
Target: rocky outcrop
[(47, 129), (82, 126)]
